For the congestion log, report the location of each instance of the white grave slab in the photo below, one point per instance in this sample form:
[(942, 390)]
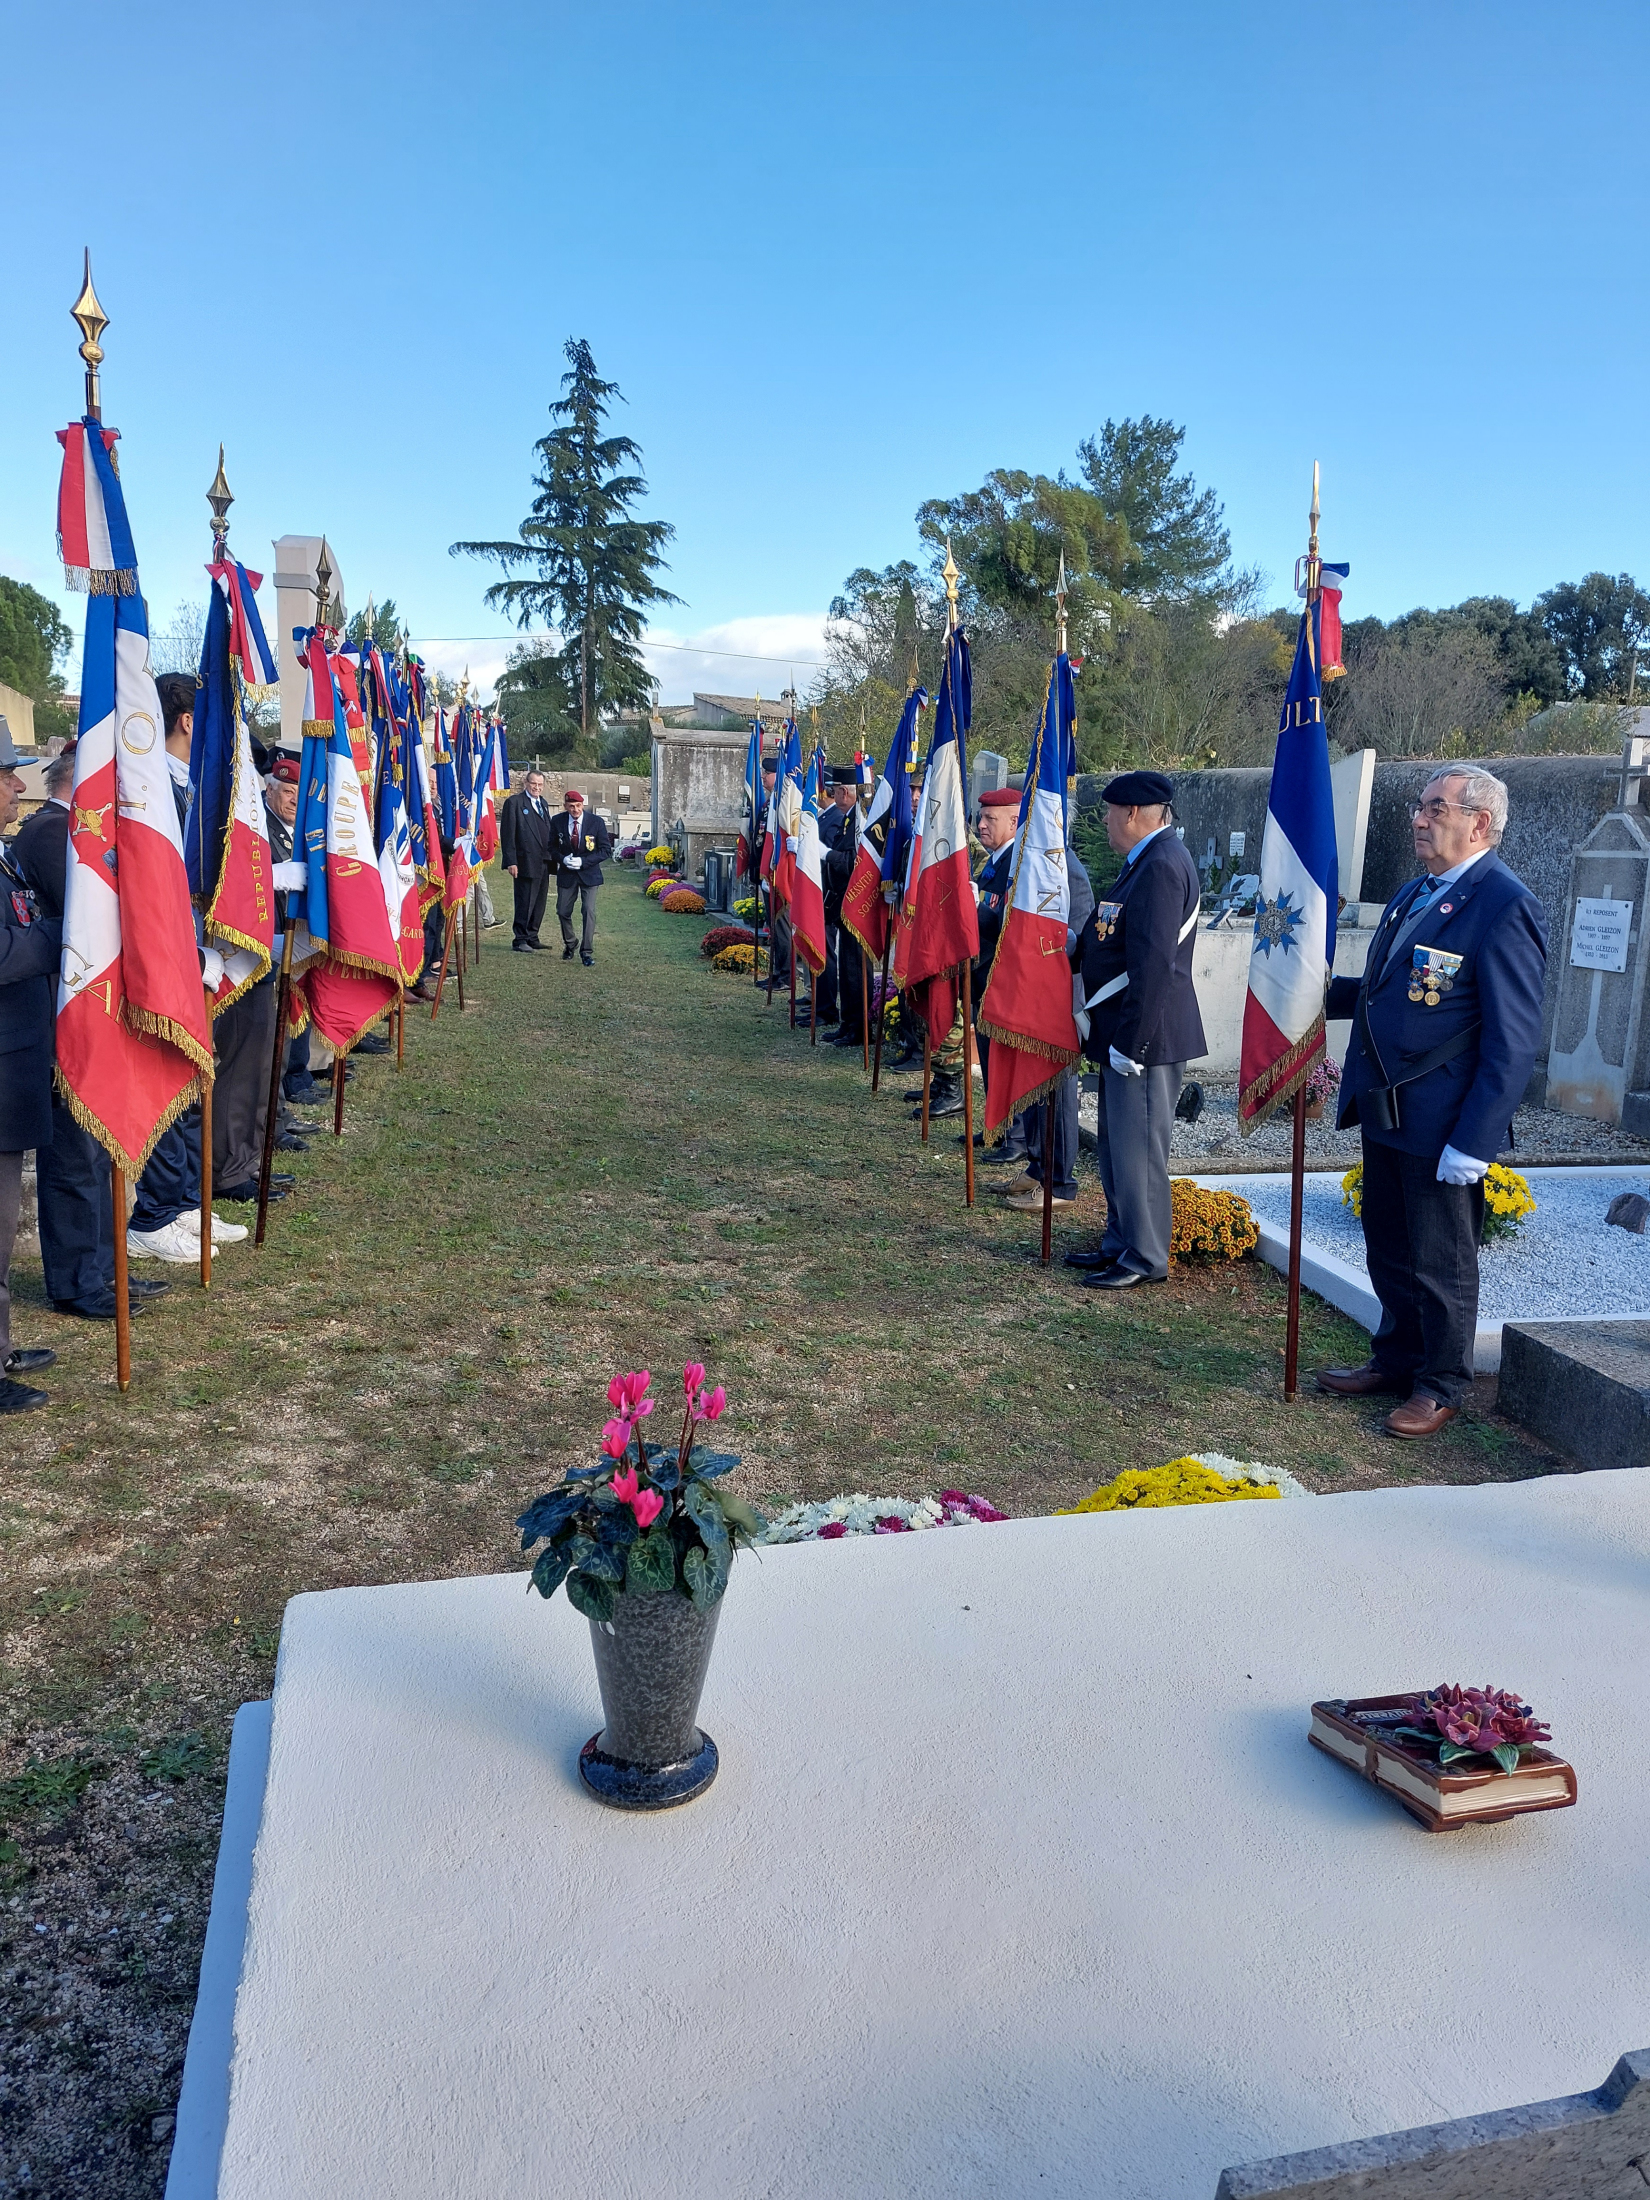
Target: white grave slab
[(1019, 1877)]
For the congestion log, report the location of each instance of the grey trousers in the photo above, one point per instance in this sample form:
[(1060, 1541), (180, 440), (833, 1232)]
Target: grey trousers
[(243, 1039), (11, 1200), (1136, 1117), (568, 891)]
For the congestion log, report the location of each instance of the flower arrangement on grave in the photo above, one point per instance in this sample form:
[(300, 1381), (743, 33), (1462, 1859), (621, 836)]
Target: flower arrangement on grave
[(726, 935), (745, 907), (660, 857), (741, 960), (1325, 1080), (1219, 1224), (1212, 1479), (1508, 1200), (1472, 1722), (682, 901), (826, 1520), (660, 885), (644, 1525)]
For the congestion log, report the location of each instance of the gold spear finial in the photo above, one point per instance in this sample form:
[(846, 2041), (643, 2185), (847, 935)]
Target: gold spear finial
[(916, 669), (323, 586), (370, 615), (1313, 570), (220, 497), (1060, 606), (949, 574), (93, 321)]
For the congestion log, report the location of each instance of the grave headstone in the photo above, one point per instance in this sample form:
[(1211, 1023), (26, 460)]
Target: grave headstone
[(1583, 1387), (987, 771), (1583, 2146), (1598, 1060), (296, 560), (1352, 785)]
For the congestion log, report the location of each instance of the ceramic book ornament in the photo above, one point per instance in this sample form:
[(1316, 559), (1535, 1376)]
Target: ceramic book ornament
[(1452, 1757)]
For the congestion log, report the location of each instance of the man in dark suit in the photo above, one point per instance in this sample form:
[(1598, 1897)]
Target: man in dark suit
[(29, 946), (524, 844), (1135, 955), (837, 994), (73, 1188), (1446, 1022), (579, 846)]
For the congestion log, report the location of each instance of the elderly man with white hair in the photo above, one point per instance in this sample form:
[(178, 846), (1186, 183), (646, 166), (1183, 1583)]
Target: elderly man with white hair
[(1445, 1024)]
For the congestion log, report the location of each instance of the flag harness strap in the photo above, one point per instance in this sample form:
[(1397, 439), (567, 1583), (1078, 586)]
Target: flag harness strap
[(1382, 1100), (1117, 984)]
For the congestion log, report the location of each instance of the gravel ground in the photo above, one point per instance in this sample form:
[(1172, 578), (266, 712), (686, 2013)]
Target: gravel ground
[(1565, 1260), (1214, 1141)]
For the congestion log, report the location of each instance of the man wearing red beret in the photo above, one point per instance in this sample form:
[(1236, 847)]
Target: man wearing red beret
[(579, 846)]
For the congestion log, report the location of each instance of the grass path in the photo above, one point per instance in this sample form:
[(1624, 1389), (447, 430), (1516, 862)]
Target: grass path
[(629, 1166)]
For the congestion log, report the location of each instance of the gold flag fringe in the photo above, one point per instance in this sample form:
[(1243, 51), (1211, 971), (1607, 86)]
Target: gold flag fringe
[(133, 1164), (151, 1026), (1281, 1079)]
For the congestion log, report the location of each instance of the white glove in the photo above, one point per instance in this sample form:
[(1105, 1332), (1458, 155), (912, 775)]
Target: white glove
[(211, 969), (1123, 1066), (572, 863), (288, 876), (1459, 1168), (975, 886), (790, 843)]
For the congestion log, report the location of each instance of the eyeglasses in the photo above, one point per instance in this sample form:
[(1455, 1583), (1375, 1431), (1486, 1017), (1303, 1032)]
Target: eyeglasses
[(1435, 810)]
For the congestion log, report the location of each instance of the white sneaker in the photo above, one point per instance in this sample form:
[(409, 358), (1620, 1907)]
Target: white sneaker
[(171, 1242), (223, 1233)]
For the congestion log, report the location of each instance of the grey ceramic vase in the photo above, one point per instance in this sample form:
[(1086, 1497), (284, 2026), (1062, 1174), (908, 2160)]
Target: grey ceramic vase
[(651, 1661)]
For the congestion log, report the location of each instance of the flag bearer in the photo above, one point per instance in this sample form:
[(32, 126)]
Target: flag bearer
[(29, 945)]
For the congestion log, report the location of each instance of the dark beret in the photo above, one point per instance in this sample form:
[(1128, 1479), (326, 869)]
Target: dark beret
[(844, 775), (1129, 790)]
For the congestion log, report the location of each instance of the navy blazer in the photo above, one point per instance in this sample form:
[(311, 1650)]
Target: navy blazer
[(1146, 931), (29, 944), (1494, 923), (591, 845)]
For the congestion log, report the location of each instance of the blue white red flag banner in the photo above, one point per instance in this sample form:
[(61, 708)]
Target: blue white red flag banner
[(788, 812), (399, 876), (885, 837), (132, 1035), (346, 958), (808, 877), (93, 539), (1333, 582), (225, 834), (423, 819), (744, 863), (945, 924), (1026, 1012), (1294, 944)]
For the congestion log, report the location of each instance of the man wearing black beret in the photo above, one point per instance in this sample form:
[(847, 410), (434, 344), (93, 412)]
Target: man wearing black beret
[(1135, 956)]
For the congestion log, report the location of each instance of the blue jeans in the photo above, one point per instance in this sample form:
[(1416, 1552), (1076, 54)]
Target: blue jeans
[(171, 1183)]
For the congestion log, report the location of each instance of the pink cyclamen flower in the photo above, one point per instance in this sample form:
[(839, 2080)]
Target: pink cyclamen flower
[(616, 1439), (713, 1405), (626, 1393), (647, 1505), (693, 1378), (624, 1486)]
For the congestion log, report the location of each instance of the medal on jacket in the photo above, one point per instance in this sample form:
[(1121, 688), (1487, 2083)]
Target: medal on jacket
[(1106, 914), (1431, 974)]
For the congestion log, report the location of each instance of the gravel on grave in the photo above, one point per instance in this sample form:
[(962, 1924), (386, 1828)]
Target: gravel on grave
[(1215, 1142), (1565, 1260)]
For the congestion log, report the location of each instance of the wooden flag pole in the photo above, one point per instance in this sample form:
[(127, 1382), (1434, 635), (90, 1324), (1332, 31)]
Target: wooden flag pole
[(337, 1096), (206, 1154), (461, 969), (476, 924), (927, 1072), (864, 1008), (968, 1082), (441, 975), (1297, 1194), (123, 1293), (1297, 1161), (401, 1032), (1048, 1180), (882, 1009), (792, 960)]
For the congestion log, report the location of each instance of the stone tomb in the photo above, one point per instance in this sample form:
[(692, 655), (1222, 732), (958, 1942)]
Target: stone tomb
[(1019, 1876), (1584, 1387)]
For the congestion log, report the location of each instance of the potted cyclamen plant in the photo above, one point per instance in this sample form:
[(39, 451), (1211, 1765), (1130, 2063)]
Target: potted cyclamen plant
[(644, 1546)]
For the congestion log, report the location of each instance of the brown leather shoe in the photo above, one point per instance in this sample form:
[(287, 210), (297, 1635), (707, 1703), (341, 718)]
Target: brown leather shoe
[(1421, 1415), (1359, 1382)]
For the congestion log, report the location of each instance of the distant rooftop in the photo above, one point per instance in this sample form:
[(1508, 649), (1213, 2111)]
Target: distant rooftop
[(747, 707)]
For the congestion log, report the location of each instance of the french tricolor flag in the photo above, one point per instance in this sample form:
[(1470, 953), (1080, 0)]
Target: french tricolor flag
[(1293, 952), (885, 837), (808, 879), (93, 539), (945, 924), (1027, 1012)]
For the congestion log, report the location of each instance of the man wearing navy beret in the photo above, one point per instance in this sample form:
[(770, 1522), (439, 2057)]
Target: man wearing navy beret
[(1446, 1020), (1135, 956)]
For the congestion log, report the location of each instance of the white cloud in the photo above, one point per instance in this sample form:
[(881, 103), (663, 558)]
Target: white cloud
[(484, 661), (739, 657)]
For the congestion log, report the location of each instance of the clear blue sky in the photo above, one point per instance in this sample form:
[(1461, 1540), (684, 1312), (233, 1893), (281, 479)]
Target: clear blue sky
[(838, 259)]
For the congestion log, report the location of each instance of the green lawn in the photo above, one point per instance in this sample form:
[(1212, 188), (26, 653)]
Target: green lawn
[(587, 1170)]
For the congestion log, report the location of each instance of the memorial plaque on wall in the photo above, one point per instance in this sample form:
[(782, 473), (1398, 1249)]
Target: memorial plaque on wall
[(1598, 936)]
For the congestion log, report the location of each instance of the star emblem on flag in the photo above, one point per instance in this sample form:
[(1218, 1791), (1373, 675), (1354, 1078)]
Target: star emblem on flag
[(1276, 923)]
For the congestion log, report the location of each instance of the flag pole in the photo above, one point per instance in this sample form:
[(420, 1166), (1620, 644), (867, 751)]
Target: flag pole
[(882, 997), (864, 970), (1297, 1158), (1048, 1104), (441, 974), (92, 321), (219, 498), (283, 1001), (949, 576)]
